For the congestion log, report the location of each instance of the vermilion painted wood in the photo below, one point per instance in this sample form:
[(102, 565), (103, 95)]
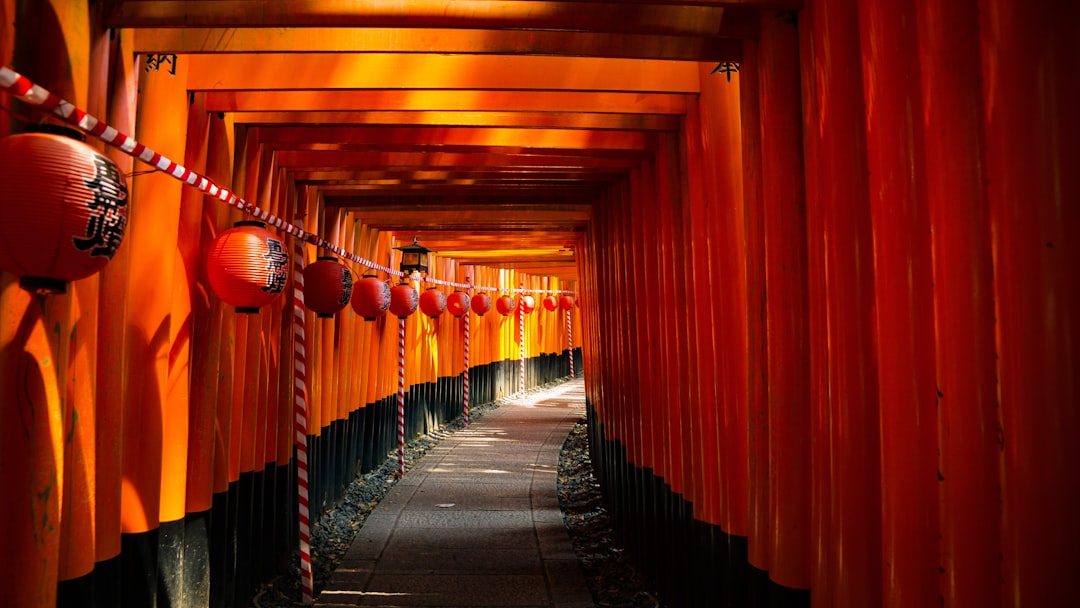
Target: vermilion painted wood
[(147, 496), (204, 345), (402, 100), (108, 409), (757, 388), (334, 39), (27, 380), (246, 71), (722, 148), (641, 303), (660, 17), (903, 303), (845, 498), (1030, 93), (661, 460), (675, 280), (700, 191), (784, 206)]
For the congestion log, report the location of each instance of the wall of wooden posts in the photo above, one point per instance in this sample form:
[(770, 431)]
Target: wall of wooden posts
[(148, 428), (832, 324)]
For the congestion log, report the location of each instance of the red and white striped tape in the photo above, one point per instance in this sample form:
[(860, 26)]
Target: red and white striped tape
[(401, 396), (521, 339), (570, 341), (465, 376), (300, 424)]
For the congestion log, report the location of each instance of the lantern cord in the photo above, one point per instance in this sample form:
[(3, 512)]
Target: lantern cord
[(22, 88)]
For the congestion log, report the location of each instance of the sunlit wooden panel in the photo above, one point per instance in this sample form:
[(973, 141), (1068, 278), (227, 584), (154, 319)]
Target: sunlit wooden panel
[(439, 100), (428, 175), (614, 17), (450, 136), (426, 40), (552, 119), (270, 71), (311, 160)]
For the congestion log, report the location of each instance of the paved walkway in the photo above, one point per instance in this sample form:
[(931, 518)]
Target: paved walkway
[(476, 522)]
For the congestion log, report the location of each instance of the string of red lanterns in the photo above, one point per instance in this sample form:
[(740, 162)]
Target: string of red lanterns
[(112, 218)]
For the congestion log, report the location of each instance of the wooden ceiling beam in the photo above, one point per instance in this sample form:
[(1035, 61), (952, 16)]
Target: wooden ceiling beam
[(642, 17), (312, 160), (441, 175), (490, 137), (439, 100), (585, 156), (413, 40), (551, 119), (330, 71)]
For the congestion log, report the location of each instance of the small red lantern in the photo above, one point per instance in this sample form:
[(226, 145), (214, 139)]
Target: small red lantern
[(403, 299), (328, 286), (458, 303), (528, 304), (371, 299), (247, 266), (481, 303), (505, 305), (432, 302), (566, 302), (551, 303), (63, 208)]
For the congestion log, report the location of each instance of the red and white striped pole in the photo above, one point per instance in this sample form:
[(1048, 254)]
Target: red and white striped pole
[(401, 396), (300, 424), (570, 340), (521, 337), (468, 313)]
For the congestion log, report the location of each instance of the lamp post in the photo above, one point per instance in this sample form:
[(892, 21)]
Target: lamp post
[(414, 259)]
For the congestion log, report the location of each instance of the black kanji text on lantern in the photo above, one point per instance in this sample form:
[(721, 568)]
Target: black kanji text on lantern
[(105, 226)]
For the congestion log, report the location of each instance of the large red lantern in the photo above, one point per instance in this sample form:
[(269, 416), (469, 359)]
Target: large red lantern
[(371, 298), (403, 299), (481, 303), (528, 304), (566, 302), (328, 286), (432, 302), (505, 305), (247, 266), (551, 303), (458, 303), (63, 208)]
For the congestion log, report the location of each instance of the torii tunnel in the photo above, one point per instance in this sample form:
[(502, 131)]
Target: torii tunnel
[(820, 252)]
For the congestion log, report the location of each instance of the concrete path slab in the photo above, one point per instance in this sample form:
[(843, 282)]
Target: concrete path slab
[(476, 521)]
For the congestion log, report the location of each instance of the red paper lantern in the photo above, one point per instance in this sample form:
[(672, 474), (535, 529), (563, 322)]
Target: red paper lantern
[(481, 303), (328, 286), (371, 298), (566, 302), (247, 266), (63, 208), (403, 300), (432, 302), (458, 303), (505, 305), (528, 304), (551, 303)]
